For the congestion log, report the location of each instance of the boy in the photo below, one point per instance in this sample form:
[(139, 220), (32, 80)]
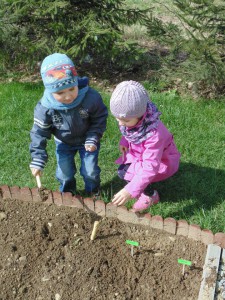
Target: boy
[(76, 116)]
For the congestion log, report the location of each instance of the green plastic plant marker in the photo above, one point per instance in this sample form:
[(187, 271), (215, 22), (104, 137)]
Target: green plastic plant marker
[(184, 262), (133, 243)]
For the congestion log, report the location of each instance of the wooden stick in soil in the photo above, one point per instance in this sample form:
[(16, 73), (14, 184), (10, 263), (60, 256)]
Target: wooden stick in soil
[(94, 231), (43, 193), (95, 228), (38, 179)]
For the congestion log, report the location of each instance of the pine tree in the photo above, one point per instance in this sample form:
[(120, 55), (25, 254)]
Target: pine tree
[(31, 29), (196, 43)]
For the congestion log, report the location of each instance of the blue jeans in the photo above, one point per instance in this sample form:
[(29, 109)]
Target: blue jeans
[(66, 168)]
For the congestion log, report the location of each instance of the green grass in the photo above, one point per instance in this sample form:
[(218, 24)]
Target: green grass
[(196, 193)]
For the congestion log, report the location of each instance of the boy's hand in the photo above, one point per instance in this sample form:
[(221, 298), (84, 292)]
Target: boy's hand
[(90, 148), (35, 172), (121, 197)]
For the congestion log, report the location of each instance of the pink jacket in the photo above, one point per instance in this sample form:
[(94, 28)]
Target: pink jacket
[(155, 159)]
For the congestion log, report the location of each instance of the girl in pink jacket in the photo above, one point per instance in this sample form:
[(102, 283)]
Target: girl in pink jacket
[(149, 153)]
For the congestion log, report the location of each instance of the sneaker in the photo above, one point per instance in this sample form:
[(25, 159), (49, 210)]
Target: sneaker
[(145, 201)]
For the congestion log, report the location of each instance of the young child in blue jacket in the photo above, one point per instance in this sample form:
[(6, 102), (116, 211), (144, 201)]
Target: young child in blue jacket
[(76, 116)]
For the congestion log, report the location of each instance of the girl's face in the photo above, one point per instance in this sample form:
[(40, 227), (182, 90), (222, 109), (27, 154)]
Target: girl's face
[(66, 96), (128, 122)]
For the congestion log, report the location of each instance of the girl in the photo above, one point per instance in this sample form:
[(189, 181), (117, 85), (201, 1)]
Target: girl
[(149, 153)]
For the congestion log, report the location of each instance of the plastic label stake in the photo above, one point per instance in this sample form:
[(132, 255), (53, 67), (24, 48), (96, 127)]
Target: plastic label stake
[(132, 243), (184, 262)]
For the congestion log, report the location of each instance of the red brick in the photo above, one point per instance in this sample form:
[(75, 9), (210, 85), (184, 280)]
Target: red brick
[(42, 195), (123, 214), (15, 192), (73, 201), (219, 239), (194, 232), (126, 216), (49, 200), (6, 194), (67, 199), (156, 222), (36, 195), (100, 208), (137, 218), (89, 205), (182, 227), (170, 225), (57, 198), (142, 219), (146, 219), (25, 194), (207, 237), (78, 202), (111, 210)]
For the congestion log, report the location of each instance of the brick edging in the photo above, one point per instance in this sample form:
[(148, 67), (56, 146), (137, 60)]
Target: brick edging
[(180, 227)]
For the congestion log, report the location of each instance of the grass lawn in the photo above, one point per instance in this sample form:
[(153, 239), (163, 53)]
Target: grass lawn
[(196, 193)]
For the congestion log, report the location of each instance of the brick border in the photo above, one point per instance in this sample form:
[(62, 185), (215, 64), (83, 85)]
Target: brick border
[(180, 227)]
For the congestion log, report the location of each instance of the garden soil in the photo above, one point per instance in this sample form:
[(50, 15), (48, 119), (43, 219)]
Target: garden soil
[(46, 254)]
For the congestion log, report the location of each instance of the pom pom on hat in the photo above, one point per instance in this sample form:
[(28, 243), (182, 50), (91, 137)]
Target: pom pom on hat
[(129, 100), (58, 72)]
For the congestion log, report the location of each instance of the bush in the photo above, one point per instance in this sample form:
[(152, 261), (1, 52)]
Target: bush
[(31, 29), (196, 44), (92, 31)]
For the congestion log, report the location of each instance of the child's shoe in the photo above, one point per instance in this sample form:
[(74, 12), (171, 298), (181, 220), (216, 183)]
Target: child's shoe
[(145, 201)]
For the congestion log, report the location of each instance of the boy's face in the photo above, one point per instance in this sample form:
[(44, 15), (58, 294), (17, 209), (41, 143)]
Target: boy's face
[(66, 96), (128, 122)]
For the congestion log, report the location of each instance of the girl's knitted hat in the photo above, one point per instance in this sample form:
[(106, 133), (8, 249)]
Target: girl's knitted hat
[(129, 100), (58, 72)]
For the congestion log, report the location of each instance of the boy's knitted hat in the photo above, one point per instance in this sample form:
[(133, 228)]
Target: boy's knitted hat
[(58, 72), (129, 100)]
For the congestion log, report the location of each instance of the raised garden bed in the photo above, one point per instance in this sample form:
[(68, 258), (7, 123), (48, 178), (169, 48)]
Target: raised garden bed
[(46, 251)]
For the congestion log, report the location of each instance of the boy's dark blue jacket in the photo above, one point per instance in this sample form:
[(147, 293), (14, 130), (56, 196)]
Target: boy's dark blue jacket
[(84, 124)]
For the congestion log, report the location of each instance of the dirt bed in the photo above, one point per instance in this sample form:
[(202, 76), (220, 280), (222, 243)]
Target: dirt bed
[(46, 254)]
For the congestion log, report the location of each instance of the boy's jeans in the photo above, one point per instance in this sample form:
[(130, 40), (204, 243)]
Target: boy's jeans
[(66, 168)]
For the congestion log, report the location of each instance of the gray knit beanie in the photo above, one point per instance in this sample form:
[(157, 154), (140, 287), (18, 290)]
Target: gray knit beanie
[(129, 100)]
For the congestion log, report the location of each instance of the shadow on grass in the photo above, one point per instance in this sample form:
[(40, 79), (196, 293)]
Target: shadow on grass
[(193, 186)]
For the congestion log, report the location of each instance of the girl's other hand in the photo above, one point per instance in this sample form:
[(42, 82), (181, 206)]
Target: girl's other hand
[(121, 197), (123, 148)]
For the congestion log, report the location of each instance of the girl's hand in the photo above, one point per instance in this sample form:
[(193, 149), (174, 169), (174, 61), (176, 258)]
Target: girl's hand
[(123, 148), (121, 197), (90, 148), (35, 172)]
